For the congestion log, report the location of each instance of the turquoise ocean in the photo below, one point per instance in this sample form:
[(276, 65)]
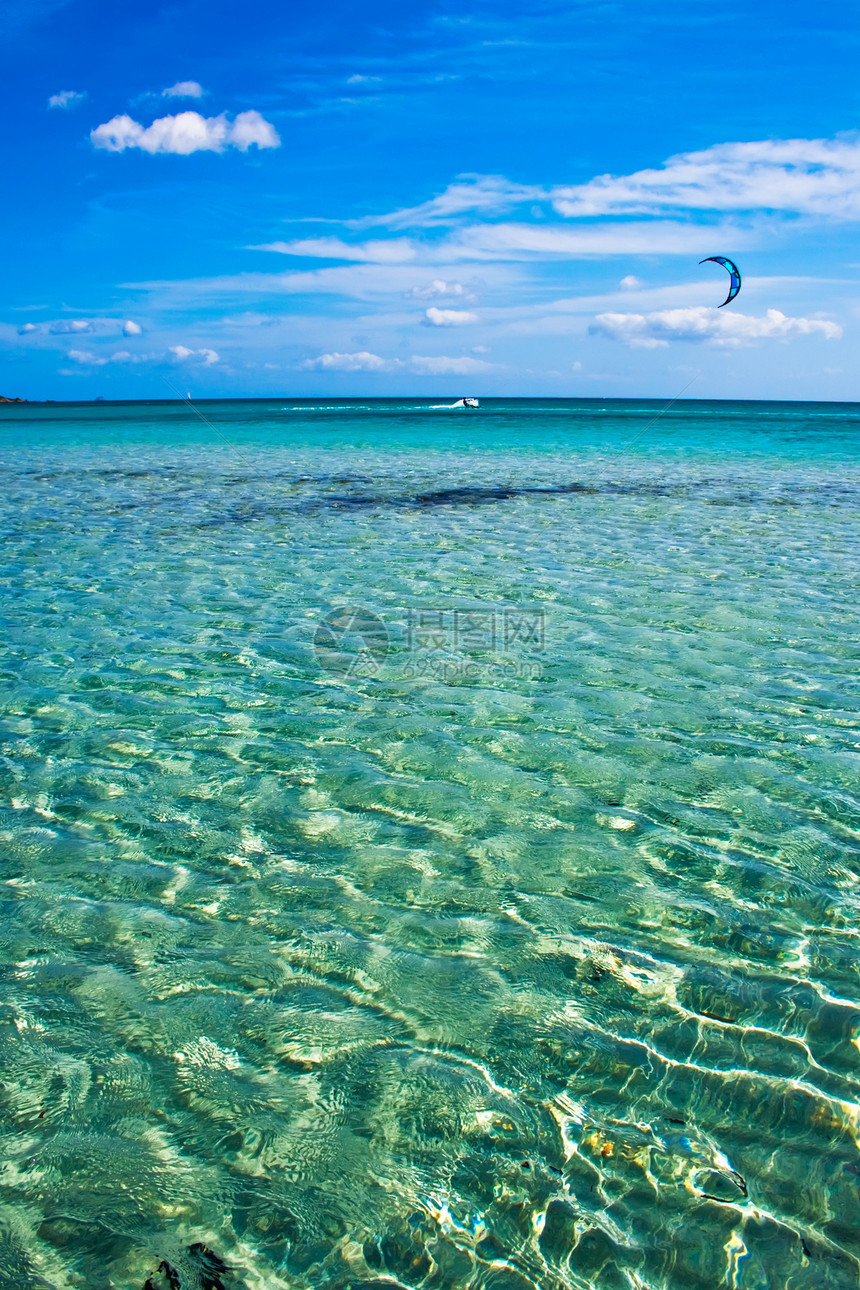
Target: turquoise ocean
[(430, 846)]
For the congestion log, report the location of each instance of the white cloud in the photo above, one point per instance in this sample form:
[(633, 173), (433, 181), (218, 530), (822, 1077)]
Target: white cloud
[(67, 99), (85, 326), (187, 132), (183, 354), (395, 250), (630, 283), (441, 365), (634, 237), (650, 331), (360, 362), (184, 90), (357, 79), (356, 281), (488, 193), (89, 359), (84, 356), (252, 130), (802, 176), (799, 176), (434, 317), (518, 241), (433, 290), (70, 327)]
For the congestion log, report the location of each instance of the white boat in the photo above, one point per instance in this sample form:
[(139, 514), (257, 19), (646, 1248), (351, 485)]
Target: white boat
[(465, 403)]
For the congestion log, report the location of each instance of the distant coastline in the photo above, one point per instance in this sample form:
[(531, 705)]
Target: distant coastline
[(3, 399)]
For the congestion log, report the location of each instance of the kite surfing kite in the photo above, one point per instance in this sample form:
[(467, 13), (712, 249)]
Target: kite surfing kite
[(733, 272)]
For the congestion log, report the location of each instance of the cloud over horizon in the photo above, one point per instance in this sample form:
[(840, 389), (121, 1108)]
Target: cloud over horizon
[(545, 252), (418, 364), (181, 354), (336, 362), (656, 330), (442, 365)]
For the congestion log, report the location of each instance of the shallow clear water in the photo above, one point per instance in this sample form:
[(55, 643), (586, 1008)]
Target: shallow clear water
[(431, 845)]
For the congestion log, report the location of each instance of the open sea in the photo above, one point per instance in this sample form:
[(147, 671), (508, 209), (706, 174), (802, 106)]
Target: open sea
[(430, 846)]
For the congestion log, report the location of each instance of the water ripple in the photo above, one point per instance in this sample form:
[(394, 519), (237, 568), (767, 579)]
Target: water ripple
[(476, 975)]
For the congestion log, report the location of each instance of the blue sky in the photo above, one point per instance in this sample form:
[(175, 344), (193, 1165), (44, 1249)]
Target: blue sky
[(490, 198)]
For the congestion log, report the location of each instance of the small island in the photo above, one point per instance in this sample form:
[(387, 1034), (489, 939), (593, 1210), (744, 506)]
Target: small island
[(3, 399)]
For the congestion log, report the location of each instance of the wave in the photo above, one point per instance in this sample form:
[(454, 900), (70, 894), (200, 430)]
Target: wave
[(372, 407)]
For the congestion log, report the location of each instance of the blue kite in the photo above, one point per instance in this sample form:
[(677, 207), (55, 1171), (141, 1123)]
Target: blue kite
[(733, 272)]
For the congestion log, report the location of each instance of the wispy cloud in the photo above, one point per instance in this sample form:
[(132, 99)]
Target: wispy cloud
[(442, 365), (437, 289), (788, 176), (355, 281), (384, 251), (506, 241), (656, 330), (187, 132), (86, 358), (67, 99), (733, 194), (488, 194), (798, 176), (70, 326)]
